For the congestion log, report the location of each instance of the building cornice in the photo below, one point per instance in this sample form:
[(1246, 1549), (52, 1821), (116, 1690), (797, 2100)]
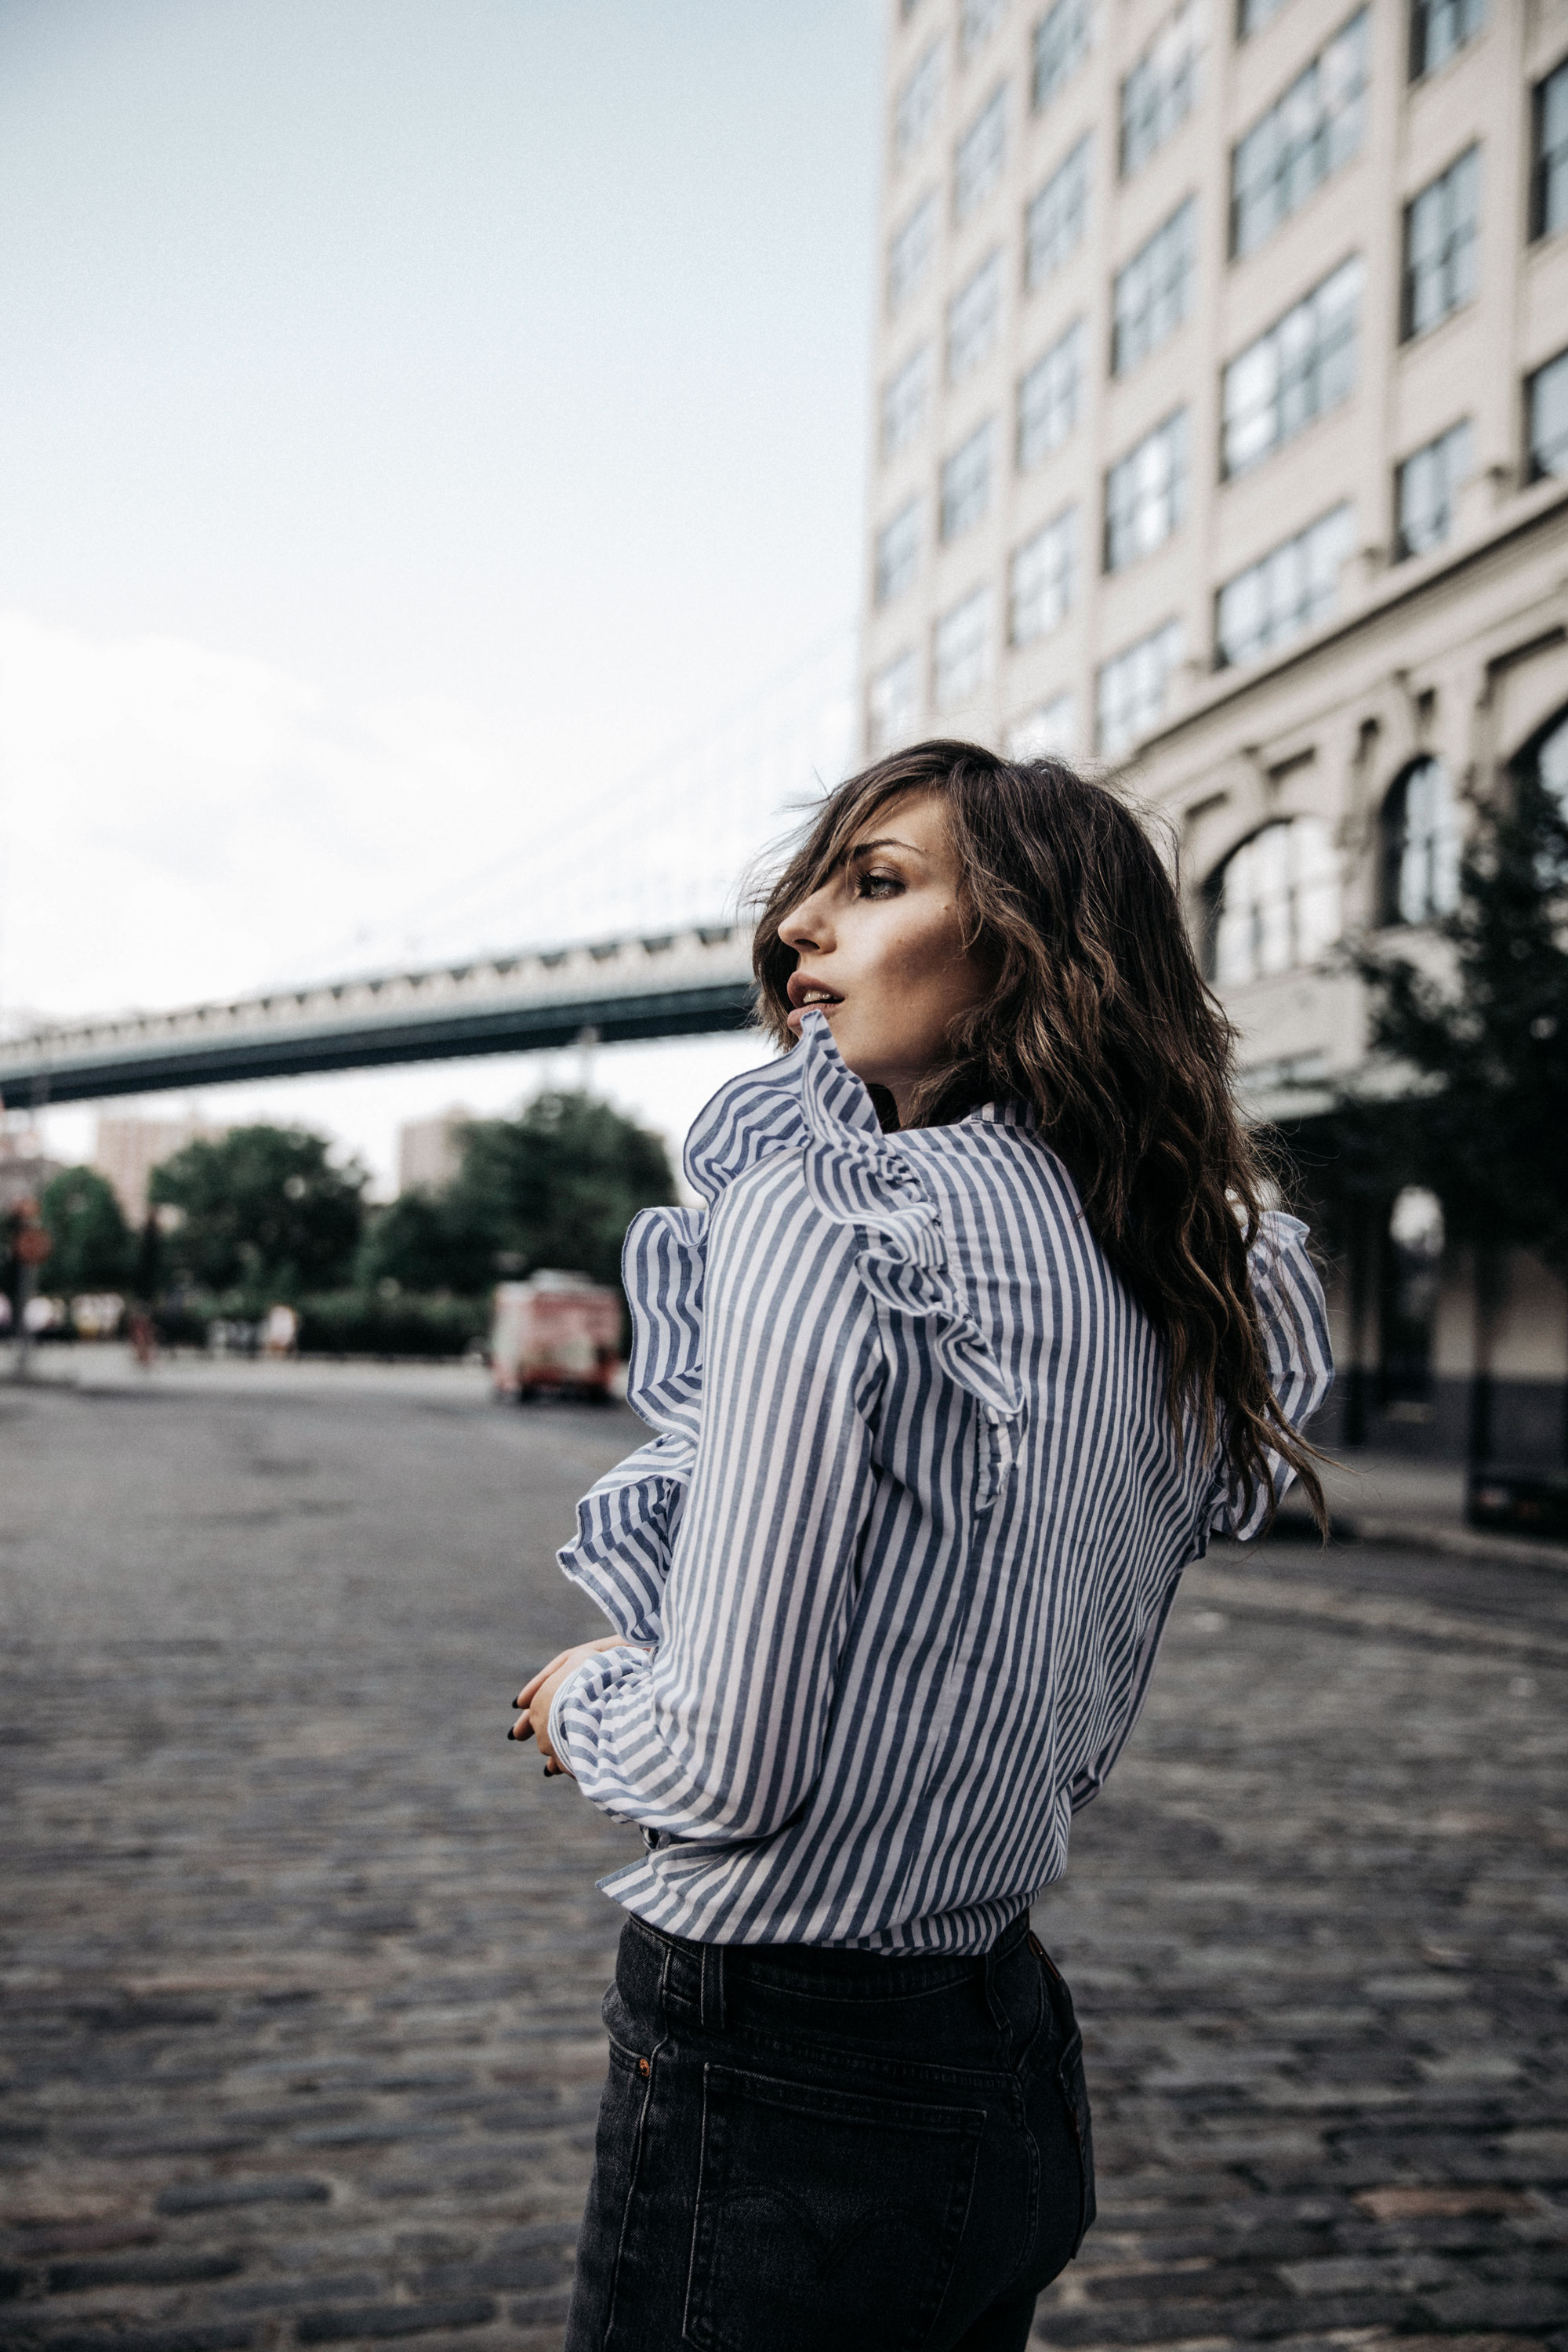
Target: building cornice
[(1531, 517)]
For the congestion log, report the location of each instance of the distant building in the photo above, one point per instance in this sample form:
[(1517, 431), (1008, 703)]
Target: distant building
[(1221, 427), (429, 1150), (24, 1170), (126, 1151)]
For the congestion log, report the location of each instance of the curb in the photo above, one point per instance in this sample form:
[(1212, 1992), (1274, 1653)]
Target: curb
[(1427, 1534)]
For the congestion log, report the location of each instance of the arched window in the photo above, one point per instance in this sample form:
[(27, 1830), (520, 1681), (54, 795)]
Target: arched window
[(1420, 846), (1412, 1275), (1274, 905)]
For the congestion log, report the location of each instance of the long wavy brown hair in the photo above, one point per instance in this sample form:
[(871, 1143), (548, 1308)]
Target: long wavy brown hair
[(1100, 1018)]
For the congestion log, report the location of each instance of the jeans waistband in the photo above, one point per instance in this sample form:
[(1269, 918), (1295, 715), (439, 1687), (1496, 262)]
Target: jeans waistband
[(834, 1972)]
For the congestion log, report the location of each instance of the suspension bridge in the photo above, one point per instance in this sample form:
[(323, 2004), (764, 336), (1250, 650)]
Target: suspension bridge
[(645, 873)]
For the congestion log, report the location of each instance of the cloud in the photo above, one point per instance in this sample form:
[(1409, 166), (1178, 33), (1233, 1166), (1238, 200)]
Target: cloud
[(180, 823)]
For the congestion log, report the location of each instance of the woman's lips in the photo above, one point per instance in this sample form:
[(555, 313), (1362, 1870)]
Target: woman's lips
[(828, 1004)]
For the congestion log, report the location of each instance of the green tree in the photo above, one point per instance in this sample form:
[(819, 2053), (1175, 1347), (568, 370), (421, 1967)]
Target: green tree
[(92, 1248), (556, 1187), (262, 1210), (1484, 1120)]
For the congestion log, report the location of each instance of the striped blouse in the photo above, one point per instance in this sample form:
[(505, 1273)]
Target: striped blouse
[(908, 1534)]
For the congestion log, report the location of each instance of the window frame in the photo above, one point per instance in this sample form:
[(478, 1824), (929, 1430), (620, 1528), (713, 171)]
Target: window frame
[(991, 270), (1076, 335), (1543, 181), (1123, 542), (1337, 525), (1320, 137), (977, 450), (1404, 547), (967, 200), (1534, 469), (978, 600), (1078, 17), (1169, 641), (1418, 63), (1184, 81), (1306, 945), (1463, 241), (1186, 212), (1312, 363), (896, 555), (925, 212), (1441, 845), (1075, 163), (1056, 592), (917, 364)]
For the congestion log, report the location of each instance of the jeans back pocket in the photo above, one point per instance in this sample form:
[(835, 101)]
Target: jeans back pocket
[(824, 2218)]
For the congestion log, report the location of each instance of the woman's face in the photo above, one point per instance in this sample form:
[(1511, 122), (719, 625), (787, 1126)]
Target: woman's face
[(880, 947)]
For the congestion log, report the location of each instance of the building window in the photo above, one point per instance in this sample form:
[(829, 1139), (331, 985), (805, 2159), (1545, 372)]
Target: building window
[(1290, 590), (1420, 846), (1154, 291), (899, 552), (1060, 46), (1546, 402), (962, 650), (1055, 219), (1442, 228), (967, 483), (1549, 160), (1438, 28), (1251, 16), (1040, 580), (1427, 486), (974, 316), (1131, 688), (905, 398), (1305, 365), (979, 157), (910, 251), (1146, 493), (978, 20), (893, 704), (1048, 398), (1046, 732), (1274, 905), (1162, 89), (1305, 137), (915, 108)]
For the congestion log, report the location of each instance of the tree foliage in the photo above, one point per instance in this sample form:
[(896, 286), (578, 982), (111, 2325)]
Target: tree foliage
[(262, 1209), (556, 1187), (1485, 1120), (92, 1244)]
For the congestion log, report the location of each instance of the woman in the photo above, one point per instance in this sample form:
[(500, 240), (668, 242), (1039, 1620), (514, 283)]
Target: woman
[(982, 1333)]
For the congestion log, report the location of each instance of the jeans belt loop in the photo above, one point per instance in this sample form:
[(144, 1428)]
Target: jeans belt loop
[(710, 1993)]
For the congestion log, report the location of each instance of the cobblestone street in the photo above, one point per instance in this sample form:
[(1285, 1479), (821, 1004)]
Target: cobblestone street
[(302, 1963)]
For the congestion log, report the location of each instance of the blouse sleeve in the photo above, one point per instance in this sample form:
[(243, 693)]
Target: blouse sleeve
[(1295, 1326), (719, 1734)]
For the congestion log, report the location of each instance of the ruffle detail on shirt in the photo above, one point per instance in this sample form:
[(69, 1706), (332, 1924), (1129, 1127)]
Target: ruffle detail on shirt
[(806, 1103), (625, 1532), (857, 1175)]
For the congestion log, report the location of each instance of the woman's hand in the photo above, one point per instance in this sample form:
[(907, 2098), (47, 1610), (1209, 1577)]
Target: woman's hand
[(537, 1695)]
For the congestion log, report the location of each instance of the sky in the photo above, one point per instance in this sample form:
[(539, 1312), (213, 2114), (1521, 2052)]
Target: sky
[(434, 473)]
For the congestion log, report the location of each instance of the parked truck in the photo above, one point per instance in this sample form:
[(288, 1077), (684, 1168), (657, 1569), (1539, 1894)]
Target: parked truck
[(555, 1335)]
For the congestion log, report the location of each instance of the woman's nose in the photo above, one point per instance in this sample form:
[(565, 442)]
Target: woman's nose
[(804, 927)]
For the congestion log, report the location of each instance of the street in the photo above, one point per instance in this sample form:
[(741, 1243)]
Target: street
[(302, 1962)]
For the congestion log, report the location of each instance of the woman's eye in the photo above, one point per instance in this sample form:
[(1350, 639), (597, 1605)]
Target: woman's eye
[(879, 886)]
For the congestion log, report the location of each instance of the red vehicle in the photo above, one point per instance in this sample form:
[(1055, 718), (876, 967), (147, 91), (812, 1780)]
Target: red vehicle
[(555, 1335)]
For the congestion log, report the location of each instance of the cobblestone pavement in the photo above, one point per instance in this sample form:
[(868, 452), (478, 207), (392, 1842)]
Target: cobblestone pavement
[(302, 1963)]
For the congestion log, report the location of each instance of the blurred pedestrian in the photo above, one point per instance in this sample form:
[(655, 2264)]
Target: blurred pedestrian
[(981, 1332)]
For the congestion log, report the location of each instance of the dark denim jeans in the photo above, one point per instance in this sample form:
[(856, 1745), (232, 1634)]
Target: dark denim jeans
[(809, 2150)]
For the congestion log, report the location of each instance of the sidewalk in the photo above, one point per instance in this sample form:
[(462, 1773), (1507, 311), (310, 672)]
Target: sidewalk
[(1386, 1498)]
